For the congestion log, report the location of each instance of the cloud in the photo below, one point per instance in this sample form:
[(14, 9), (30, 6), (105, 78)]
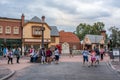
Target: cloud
[(66, 14)]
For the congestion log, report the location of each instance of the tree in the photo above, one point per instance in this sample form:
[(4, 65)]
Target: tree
[(114, 37), (83, 29)]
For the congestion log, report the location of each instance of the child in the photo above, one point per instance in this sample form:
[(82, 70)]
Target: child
[(93, 58), (10, 56)]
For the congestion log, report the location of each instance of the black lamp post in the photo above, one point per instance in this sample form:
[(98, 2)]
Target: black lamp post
[(42, 29)]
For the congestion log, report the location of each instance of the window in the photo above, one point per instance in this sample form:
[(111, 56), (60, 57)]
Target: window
[(16, 30), (52, 39), (36, 31), (8, 30), (1, 29)]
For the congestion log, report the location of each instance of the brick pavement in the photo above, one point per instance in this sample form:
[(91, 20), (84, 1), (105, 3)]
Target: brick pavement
[(24, 62), (68, 69)]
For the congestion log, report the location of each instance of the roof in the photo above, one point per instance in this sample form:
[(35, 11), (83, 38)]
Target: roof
[(94, 38), (54, 31), (35, 19), (9, 18), (68, 37)]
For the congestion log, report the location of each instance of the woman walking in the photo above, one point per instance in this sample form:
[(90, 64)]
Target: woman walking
[(85, 54), (101, 53)]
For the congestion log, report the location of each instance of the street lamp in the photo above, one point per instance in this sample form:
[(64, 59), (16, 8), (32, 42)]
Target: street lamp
[(42, 29)]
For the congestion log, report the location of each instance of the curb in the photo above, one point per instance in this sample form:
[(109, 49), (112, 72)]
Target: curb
[(8, 76), (110, 64)]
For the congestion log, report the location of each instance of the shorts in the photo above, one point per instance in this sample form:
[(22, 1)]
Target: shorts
[(97, 57), (85, 58), (93, 58), (56, 57)]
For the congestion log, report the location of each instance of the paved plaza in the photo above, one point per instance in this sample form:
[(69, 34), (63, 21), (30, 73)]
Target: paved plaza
[(67, 69)]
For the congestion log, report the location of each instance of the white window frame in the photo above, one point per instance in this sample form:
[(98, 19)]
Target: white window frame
[(1, 29), (36, 31), (16, 30), (7, 31)]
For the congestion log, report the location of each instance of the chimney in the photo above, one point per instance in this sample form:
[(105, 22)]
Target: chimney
[(103, 33), (22, 18), (43, 18)]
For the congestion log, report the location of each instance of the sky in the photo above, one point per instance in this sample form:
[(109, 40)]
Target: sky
[(65, 14)]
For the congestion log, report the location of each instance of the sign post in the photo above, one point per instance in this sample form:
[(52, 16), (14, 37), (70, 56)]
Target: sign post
[(116, 52)]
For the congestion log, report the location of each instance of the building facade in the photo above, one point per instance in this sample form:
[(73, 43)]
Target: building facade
[(27, 33), (91, 41), (10, 32), (68, 41)]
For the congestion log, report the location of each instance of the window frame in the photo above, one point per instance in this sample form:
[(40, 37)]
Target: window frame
[(6, 30), (15, 30), (1, 30), (52, 39), (36, 31)]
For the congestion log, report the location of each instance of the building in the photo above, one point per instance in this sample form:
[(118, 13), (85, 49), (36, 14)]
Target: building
[(32, 34), (91, 41), (10, 32), (68, 41), (26, 33), (54, 36)]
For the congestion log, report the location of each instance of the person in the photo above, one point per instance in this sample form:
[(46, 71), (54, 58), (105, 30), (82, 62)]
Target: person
[(85, 54), (57, 54), (17, 53), (32, 52), (10, 56), (71, 55), (48, 55), (35, 56), (5, 51), (93, 58), (102, 53), (42, 54), (97, 54)]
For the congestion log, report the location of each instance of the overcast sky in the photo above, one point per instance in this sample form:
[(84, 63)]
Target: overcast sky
[(65, 14)]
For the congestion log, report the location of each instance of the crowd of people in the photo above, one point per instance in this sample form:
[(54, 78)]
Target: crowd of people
[(10, 53), (44, 56), (95, 56)]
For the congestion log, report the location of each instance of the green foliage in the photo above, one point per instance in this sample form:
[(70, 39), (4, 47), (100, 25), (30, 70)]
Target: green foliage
[(83, 29), (114, 37)]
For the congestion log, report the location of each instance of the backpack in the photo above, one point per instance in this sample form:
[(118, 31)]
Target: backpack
[(15, 52)]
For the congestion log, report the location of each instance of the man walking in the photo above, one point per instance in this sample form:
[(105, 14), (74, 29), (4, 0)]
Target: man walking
[(97, 54), (17, 53)]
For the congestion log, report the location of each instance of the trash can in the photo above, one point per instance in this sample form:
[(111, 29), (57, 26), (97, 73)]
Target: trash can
[(111, 55)]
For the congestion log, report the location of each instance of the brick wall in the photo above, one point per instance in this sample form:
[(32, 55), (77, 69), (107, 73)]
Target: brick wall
[(11, 23)]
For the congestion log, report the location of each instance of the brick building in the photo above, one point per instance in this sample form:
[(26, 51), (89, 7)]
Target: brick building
[(26, 33), (68, 41), (10, 32)]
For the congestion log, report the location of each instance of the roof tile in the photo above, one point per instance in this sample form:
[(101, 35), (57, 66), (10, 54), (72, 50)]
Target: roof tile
[(68, 37)]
